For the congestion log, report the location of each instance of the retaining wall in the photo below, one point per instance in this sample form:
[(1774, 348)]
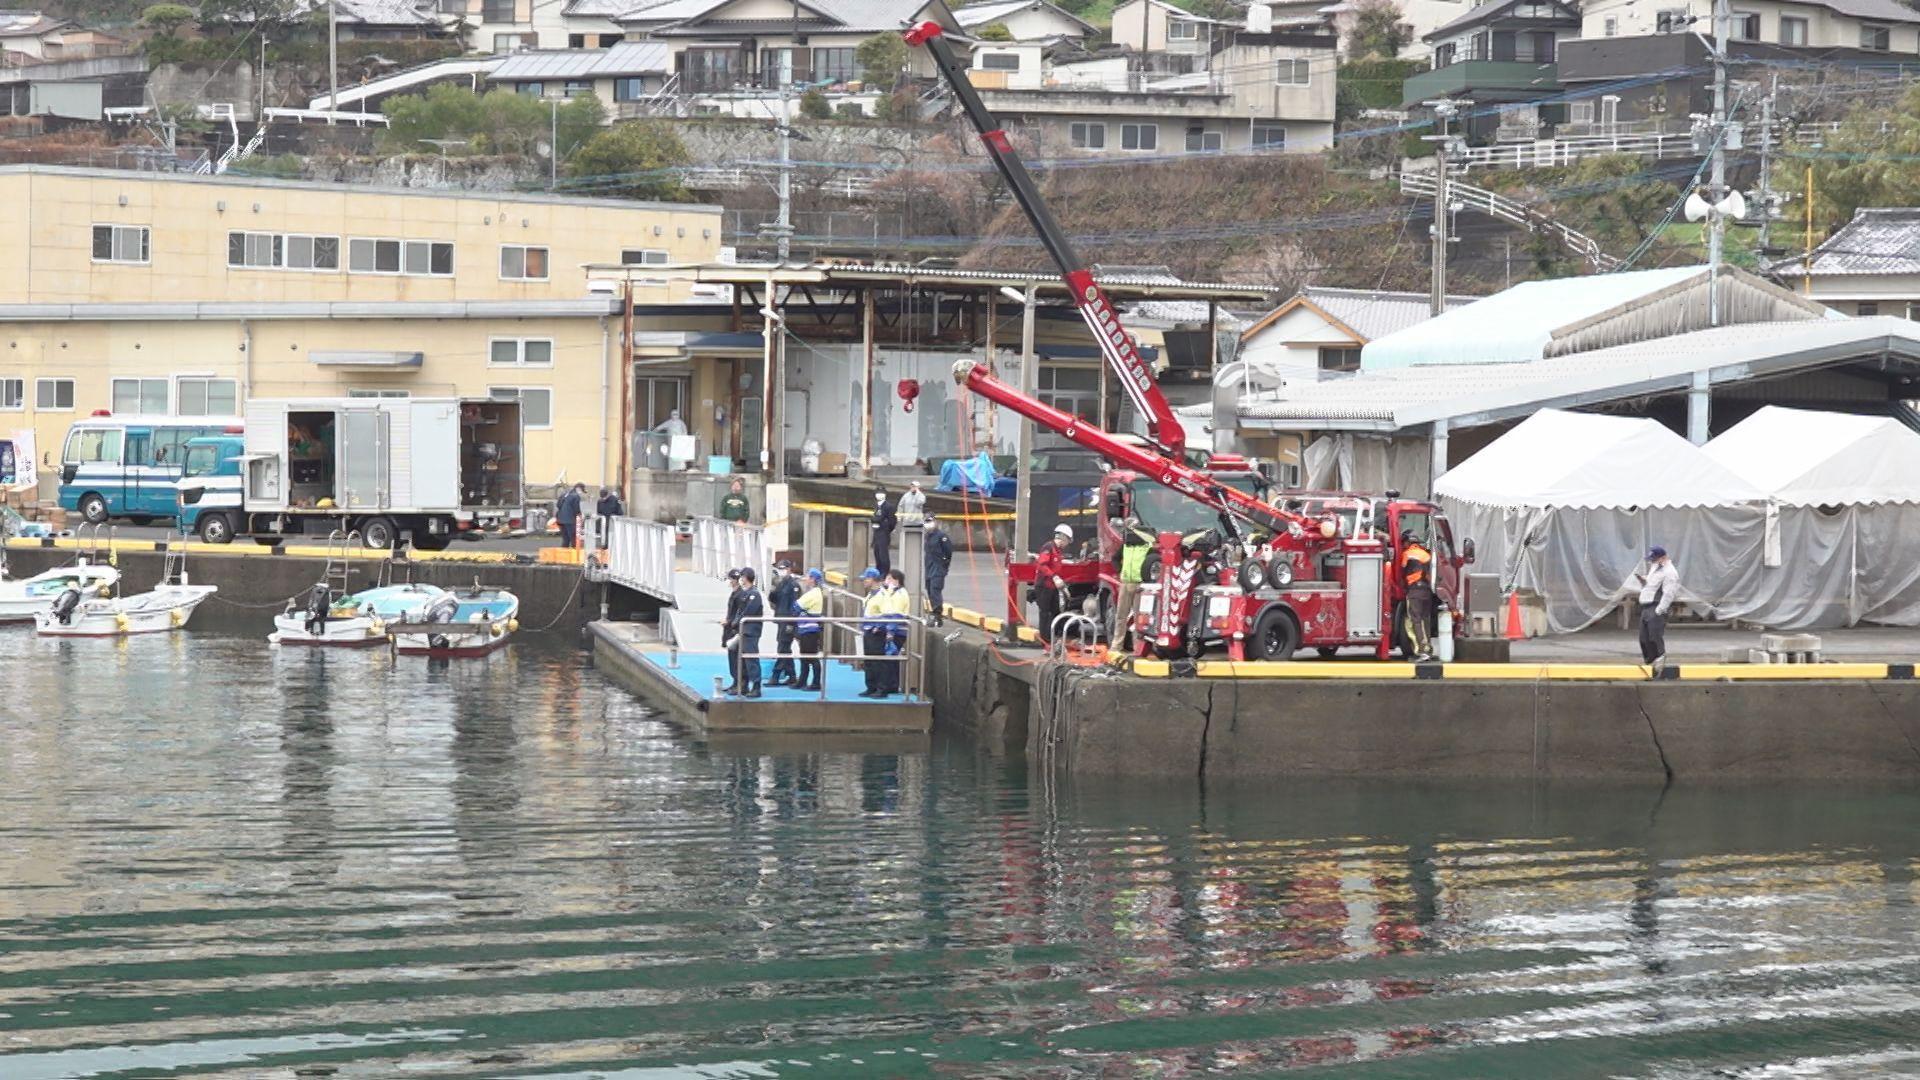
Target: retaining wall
[(1101, 723)]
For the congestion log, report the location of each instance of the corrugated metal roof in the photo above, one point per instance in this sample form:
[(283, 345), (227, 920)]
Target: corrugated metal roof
[(1399, 398), (1176, 312), (1879, 240), (626, 58), (1122, 286), (1515, 324), (993, 11), (1376, 314), (379, 12), (28, 23), (600, 9), (1872, 10)]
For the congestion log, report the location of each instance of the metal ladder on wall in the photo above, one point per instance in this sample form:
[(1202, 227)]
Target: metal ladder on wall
[(339, 571)]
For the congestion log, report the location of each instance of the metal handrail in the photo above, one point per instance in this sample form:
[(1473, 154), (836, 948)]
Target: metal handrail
[(912, 661)]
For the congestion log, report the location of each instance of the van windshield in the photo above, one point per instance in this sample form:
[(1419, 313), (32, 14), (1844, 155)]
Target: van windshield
[(202, 460), (93, 445), (1162, 509)]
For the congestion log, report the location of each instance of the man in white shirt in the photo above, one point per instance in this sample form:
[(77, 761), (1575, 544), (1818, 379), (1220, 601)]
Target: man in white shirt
[(1659, 588)]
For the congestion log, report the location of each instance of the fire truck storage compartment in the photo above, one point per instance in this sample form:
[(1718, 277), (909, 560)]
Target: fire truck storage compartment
[(490, 454), (1365, 577)]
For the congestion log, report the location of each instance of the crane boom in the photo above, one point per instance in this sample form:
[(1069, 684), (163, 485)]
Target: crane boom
[(1132, 369), (1168, 471)]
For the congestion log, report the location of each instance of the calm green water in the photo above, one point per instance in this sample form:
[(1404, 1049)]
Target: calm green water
[(221, 861)]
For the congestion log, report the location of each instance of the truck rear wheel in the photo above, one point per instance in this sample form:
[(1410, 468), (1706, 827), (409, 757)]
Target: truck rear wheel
[(379, 533), (93, 508), (215, 528), (1275, 636)]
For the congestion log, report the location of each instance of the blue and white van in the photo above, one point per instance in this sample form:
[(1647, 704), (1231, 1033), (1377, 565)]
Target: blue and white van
[(129, 467), (210, 491)]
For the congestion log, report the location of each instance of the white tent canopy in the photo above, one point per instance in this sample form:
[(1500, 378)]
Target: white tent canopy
[(1582, 461), (1800, 457)]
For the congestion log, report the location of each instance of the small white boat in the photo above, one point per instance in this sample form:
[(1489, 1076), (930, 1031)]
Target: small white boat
[(355, 621), (464, 622), (167, 607), (21, 600)]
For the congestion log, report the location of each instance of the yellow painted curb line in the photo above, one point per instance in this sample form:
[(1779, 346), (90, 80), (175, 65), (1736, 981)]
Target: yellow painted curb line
[(854, 511), (1777, 672)]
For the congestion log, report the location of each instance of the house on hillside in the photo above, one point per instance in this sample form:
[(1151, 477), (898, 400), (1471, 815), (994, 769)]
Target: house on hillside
[(1622, 41), (1319, 331), (1026, 20), (1870, 267), (385, 20), (502, 26), (723, 46), (1420, 17), (1500, 53), (625, 78), (1171, 39), (1271, 91)]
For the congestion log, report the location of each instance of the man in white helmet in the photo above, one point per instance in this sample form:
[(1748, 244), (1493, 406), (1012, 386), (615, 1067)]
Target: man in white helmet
[(1050, 587)]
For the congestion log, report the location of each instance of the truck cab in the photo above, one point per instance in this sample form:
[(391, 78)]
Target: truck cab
[(208, 492)]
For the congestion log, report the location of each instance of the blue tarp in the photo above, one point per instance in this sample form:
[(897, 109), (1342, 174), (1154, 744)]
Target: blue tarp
[(975, 476)]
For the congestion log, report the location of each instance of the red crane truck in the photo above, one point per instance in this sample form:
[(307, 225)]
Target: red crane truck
[(1264, 580)]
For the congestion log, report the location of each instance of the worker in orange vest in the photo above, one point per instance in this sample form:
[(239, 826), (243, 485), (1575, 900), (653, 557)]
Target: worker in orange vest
[(1416, 574)]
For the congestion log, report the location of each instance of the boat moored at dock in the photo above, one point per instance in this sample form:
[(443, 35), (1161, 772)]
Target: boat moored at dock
[(21, 600), (462, 622), (355, 621)]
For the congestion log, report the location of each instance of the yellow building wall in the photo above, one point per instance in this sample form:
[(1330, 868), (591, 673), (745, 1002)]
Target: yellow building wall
[(50, 213), (276, 362)]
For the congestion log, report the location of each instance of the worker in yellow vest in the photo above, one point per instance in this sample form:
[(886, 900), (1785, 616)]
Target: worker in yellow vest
[(884, 632)]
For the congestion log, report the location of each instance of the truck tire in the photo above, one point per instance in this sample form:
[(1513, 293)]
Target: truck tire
[(426, 541), (215, 528), (93, 508), (1275, 635), (1253, 575), (379, 533)]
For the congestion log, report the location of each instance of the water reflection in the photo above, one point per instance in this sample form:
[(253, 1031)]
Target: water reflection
[(221, 861)]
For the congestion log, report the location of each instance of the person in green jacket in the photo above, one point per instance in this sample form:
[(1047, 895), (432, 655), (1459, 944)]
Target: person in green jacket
[(734, 505), (1135, 544)]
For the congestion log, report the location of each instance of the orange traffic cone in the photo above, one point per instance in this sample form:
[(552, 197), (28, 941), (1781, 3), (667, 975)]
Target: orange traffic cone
[(1515, 632)]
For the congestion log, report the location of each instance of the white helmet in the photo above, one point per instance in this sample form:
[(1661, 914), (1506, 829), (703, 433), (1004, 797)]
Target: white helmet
[(1063, 530)]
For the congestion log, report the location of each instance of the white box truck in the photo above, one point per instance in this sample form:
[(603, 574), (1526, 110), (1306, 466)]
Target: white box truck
[(386, 468)]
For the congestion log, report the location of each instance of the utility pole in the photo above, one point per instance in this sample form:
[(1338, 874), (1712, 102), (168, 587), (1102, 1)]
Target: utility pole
[(260, 118), (783, 226), (1766, 161), (1717, 183), (553, 143), (333, 61), (1443, 112)]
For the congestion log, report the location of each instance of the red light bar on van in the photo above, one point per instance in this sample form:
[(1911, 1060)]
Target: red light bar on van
[(233, 429), (101, 412)]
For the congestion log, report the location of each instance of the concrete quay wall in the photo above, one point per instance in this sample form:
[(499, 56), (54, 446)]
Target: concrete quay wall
[(1098, 723), (254, 587)]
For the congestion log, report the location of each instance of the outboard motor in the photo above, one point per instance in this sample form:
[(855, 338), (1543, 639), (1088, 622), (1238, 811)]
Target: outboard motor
[(66, 603), (442, 610), (319, 601)]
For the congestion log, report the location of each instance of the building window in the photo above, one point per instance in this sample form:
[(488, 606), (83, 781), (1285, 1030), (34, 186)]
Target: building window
[(53, 395), (1201, 141), (1139, 136), (120, 243), (1182, 30), (520, 352), (1292, 71), (574, 88), (1913, 310), (632, 88), (536, 403), (497, 11), (1610, 26), (999, 62), (1744, 26), (1269, 137), (206, 397), (608, 41), (1867, 307), (369, 392), (645, 257), (13, 394), (140, 397), (833, 65), (1793, 31), (531, 89), (506, 43), (422, 258), (1877, 38), (280, 251), (1088, 136), (1333, 358), (521, 263)]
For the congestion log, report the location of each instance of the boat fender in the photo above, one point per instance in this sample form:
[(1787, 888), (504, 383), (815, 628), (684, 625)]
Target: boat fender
[(376, 628), (513, 624), (121, 622), (176, 618), (495, 629), (104, 591)]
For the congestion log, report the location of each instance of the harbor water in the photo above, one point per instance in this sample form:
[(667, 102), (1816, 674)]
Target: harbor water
[(220, 860)]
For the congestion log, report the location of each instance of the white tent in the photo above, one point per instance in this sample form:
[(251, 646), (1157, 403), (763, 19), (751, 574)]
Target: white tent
[(1583, 461), (1800, 457)]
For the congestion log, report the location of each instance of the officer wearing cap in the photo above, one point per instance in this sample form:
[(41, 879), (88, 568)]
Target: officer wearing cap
[(1659, 588), (937, 547), (746, 638), (873, 632), (809, 607), (729, 628), (780, 602)]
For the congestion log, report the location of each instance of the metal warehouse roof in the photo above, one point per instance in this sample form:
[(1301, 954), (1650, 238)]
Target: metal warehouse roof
[(1119, 286), (1368, 313), (1468, 395), (626, 58), (1879, 240)]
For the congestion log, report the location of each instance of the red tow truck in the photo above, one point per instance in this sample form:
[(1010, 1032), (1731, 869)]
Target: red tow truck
[(1262, 578)]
